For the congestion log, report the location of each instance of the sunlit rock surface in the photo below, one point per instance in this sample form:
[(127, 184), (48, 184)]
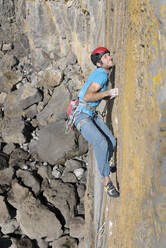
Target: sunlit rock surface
[(44, 52)]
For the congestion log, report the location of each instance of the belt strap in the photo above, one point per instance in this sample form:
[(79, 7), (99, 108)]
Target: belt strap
[(84, 104)]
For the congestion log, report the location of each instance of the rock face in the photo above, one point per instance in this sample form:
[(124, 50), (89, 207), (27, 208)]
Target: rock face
[(51, 140), (4, 212), (12, 130), (62, 197), (35, 219), (16, 102), (39, 74), (56, 108), (137, 218), (44, 60)]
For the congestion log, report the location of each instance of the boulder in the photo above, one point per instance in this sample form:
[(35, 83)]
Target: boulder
[(19, 100), (42, 243), (29, 180), (33, 146), (83, 146), (65, 241), (36, 221), (65, 61), (2, 97), (6, 63), (73, 164), (62, 196), (51, 78), (31, 112), (6, 176), (69, 177), (79, 173), (21, 42), (56, 107), (72, 170), (17, 194), (12, 130), (9, 148), (8, 79), (9, 226), (57, 171), (4, 214), (45, 172), (81, 190), (74, 82), (7, 47), (81, 208), (77, 227), (54, 146), (3, 160), (23, 242), (17, 156)]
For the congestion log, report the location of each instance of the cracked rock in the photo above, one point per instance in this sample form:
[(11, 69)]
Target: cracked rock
[(17, 194), (65, 241), (29, 180), (77, 227), (19, 100), (18, 156), (56, 107), (62, 196), (6, 176), (51, 140), (12, 130), (36, 221), (4, 214), (9, 226)]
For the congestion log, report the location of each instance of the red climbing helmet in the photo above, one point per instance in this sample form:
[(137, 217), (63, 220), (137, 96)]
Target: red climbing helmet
[(98, 53)]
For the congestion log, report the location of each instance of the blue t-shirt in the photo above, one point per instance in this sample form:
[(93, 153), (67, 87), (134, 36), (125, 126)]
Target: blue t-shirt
[(100, 76)]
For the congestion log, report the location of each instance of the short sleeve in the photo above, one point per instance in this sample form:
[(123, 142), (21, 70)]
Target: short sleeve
[(100, 77)]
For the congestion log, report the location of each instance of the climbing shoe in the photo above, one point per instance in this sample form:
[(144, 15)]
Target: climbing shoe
[(111, 190), (113, 168), (112, 165)]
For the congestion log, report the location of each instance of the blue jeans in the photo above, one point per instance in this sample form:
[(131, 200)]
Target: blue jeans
[(95, 131)]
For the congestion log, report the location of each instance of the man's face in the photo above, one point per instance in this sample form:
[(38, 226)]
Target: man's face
[(107, 61)]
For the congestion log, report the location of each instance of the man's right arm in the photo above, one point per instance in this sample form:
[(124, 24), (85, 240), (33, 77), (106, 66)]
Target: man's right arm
[(93, 95)]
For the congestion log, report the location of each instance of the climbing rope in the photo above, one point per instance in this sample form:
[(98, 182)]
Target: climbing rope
[(100, 230), (100, 233)]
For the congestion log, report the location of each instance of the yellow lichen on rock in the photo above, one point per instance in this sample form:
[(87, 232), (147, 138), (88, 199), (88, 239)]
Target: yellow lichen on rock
[(141, 142)]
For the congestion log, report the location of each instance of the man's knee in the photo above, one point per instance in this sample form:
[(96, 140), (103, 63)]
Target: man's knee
[(103, 143)]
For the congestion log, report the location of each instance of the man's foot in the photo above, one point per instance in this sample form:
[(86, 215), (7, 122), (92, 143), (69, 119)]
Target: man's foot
[(113, 168), (111, 190)]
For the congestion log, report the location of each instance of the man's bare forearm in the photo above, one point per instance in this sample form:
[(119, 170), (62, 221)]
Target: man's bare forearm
[(95, 96)]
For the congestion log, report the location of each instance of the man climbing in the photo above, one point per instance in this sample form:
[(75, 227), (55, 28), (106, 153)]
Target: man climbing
[(91, 125)]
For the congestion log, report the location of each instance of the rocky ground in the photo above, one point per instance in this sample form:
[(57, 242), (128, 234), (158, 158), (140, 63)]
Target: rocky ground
[(42, 169)]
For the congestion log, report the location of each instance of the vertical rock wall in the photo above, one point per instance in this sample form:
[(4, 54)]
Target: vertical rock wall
[(56, 27), (137, 218)]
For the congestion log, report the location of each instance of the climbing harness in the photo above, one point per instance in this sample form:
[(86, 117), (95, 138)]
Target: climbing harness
[(71, 112)]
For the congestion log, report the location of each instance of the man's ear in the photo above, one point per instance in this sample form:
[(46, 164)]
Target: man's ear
[(98, 64)]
